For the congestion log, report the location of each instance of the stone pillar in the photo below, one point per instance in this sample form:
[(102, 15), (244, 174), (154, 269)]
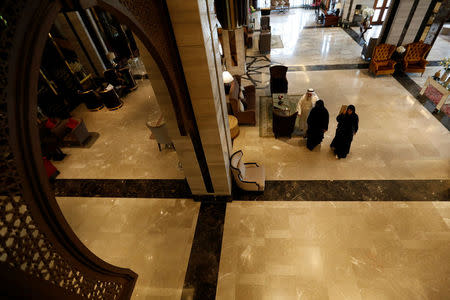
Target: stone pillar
[(237, 65), (195, 27), (183, 144), (407, 19), (75, 31)]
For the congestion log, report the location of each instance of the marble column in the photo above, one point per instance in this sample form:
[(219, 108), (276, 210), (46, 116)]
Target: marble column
[(183, 145), (195, 27), (237, 67)]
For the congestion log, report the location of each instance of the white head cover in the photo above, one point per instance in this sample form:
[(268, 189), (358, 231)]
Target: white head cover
[(310, 90)]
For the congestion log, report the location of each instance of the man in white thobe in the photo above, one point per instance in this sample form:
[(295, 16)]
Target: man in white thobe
[(304, 106)]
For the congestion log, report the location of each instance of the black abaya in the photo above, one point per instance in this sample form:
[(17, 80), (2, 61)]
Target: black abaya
[(317, 124), (347, 127)]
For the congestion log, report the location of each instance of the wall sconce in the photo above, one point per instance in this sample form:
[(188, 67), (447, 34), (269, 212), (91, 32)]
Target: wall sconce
[(227, 80)]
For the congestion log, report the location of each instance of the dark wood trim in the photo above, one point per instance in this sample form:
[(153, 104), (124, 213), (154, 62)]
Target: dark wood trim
[(408, 22), (24, 63), (425, 20), (392, 12), (20, 285)]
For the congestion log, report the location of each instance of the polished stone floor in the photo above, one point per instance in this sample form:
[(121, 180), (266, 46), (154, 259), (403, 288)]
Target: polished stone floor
[(279, 250), (335, 250), (311, 46), (152, 237), (124, 149), (398, 137)]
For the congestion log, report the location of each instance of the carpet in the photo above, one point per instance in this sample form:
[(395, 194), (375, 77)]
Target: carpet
[(276, 42), (265, 115)]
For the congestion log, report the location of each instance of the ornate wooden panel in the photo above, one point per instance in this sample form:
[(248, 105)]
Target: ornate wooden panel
[(37, 246)]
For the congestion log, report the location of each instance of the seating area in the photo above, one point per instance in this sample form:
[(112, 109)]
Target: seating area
[(411, 61), (381, 63)]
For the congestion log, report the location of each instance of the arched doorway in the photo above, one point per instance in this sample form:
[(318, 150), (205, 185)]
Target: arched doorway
[(37, 244)]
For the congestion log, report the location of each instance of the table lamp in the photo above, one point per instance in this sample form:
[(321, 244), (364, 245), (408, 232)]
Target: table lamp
[(227, 80)]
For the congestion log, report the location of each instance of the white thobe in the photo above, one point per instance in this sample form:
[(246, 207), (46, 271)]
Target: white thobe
[(304, 106)]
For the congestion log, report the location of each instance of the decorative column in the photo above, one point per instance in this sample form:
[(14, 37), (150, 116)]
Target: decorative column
[(234, 51)]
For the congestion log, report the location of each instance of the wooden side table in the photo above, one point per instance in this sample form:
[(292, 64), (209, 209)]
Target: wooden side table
[(234, 127)]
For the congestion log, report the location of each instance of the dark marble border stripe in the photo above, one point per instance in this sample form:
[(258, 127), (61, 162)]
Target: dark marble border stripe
[(125, 188), (202, 272), (414, 90), (433, 63), (354, 35), (328, 67), (349, 190), (313, 26)]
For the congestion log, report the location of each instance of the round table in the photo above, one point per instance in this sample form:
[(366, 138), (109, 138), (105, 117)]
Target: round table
[(234, 127)]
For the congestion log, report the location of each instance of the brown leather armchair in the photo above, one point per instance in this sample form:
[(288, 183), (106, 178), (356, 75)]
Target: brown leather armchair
[(381, 63), (248, 114), (414, 60)]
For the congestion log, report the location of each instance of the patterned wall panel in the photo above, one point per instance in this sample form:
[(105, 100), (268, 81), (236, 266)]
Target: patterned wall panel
[(27, 245)]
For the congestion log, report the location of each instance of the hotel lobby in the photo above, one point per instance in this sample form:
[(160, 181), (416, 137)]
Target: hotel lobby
[(225, 203)]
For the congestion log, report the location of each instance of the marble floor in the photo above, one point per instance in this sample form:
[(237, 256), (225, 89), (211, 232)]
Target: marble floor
[(335, 250), (398, 138), (152, 237), (124, 140)]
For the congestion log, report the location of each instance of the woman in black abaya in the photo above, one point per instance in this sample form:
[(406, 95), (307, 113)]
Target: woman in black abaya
[(346, 129), (317, 125)]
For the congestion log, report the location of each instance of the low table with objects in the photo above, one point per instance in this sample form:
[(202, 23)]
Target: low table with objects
[(234, 126)]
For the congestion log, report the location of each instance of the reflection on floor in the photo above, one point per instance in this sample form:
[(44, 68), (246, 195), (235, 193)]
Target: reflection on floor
[(124, 149), (153, 237), (335, 250), (398, 137)]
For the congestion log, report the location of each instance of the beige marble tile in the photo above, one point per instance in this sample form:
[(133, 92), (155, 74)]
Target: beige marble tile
[(124, 149), (397, 138), (153, 237), (335, 250)]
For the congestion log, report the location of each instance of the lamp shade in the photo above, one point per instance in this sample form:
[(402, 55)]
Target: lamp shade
[(227, 77), (338, 5)]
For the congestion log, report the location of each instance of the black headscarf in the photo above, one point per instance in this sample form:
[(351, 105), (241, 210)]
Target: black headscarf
[(319, 104), (351, 107)]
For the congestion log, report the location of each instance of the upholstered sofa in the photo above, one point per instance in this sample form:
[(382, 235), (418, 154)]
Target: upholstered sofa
[(243, 104), (381, 63), (248, 176), (414, 60)]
